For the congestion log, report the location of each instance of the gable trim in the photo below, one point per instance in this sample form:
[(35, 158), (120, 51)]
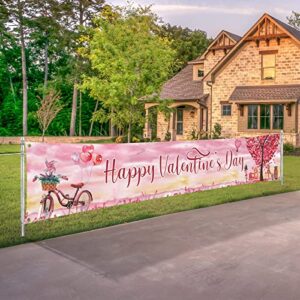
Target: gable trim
[(244, 39)]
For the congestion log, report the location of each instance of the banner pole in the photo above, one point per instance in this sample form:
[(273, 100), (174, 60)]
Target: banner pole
[(22, 186), (281, 157)]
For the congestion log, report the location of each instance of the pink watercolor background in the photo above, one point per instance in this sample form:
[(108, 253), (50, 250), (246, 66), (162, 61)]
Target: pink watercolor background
[(138, 155)]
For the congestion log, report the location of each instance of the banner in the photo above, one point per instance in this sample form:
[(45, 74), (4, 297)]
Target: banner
[(68, 178)]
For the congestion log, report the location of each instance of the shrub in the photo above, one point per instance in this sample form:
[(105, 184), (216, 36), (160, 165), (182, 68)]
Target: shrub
[(168, 136), (195, 135), (217, 131), (135, 139), (120, 139), (288, 148)]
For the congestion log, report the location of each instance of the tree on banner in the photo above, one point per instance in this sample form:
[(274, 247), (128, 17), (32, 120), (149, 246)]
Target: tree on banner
[(262, 150)]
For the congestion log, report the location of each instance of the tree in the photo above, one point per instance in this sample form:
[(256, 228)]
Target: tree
[(17, 13), (188, 43), (262, 150), (294, 20), (77, 14), (46, 32), (49, 108), (130, 62)]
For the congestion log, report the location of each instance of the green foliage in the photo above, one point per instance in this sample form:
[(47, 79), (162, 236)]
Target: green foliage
[(288, 148), (217, 132), (188, 43), (123, 55), (294, 20), (168, 136), (129, 62)]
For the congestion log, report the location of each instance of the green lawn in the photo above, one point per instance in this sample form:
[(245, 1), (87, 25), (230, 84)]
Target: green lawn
[(10, 205)]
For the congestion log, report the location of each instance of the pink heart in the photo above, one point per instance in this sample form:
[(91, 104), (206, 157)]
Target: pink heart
[(88, 148), (85, 157)]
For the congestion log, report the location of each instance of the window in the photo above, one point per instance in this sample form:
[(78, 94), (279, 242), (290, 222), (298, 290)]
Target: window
[(226, 109), (278, 116), (252, 116), (268, 66), (265, 116), (200, 73), (179, 121)]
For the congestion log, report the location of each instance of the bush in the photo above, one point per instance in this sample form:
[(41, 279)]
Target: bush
[(288, 148), (195, 135), (157, 139), (168, 136), (120, 139), (217, 131), (136, 140)]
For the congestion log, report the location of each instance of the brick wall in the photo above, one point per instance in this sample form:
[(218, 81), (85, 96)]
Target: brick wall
[(245, 69), (212, 59)]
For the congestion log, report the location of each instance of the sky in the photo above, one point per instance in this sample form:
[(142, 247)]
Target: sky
[(212, 16)]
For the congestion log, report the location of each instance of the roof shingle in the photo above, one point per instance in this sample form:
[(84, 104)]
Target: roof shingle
[(182, 86), (267, 92)]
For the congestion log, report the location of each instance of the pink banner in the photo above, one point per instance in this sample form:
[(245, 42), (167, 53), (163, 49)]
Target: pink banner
[(68, 178)]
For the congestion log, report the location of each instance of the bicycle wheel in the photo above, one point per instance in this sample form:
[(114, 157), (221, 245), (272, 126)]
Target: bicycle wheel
[(47, 206), (84, 200)]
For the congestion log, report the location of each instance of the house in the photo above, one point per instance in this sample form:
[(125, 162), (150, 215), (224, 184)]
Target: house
[(250, 85)]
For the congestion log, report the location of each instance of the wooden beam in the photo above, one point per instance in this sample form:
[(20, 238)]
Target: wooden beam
[(268, 52), (268, 36), (222, 47)]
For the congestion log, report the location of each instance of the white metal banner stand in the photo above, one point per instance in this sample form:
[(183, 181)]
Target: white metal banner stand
[(22, 186), (281, 157)]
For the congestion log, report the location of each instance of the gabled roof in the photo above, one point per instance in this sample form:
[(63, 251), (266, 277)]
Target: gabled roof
[(288, 30), (182, 86), (233, 37), (293, 31), (266, 92)]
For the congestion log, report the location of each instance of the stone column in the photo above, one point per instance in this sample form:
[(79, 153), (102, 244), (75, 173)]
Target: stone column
[(147, 130), (172, 126), (199, 119)]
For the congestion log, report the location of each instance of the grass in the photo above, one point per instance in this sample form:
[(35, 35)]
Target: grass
[(9, 149), (10, 205)]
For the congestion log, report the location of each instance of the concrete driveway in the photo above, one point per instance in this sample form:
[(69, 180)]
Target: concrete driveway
[(243, 250)]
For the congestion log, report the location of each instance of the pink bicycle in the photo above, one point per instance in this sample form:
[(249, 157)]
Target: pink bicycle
[(80, 199)]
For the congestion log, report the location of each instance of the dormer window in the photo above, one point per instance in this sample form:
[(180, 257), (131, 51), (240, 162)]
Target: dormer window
[(268, 67), (200, 73)]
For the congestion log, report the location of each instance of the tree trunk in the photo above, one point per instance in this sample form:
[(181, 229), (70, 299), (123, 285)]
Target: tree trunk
[(46, 68), (74, 110), (92, 123), (43, 136), (24, 69), (12, 89), (129, 133), (80, 111)]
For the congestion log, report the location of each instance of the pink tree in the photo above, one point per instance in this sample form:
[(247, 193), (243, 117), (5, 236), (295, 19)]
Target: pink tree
[(262, 150)]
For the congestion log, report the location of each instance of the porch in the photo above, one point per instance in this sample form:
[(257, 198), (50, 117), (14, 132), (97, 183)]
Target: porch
[(187, 119)]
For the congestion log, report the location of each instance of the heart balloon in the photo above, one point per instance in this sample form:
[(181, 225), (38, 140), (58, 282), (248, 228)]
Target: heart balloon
[(88, 148), (85, 156), (97, 159)]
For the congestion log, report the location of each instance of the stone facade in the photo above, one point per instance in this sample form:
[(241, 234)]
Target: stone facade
[(245, 69), (232, 62)]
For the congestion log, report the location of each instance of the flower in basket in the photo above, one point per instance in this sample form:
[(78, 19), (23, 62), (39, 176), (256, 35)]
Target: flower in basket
[(48, 179)]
